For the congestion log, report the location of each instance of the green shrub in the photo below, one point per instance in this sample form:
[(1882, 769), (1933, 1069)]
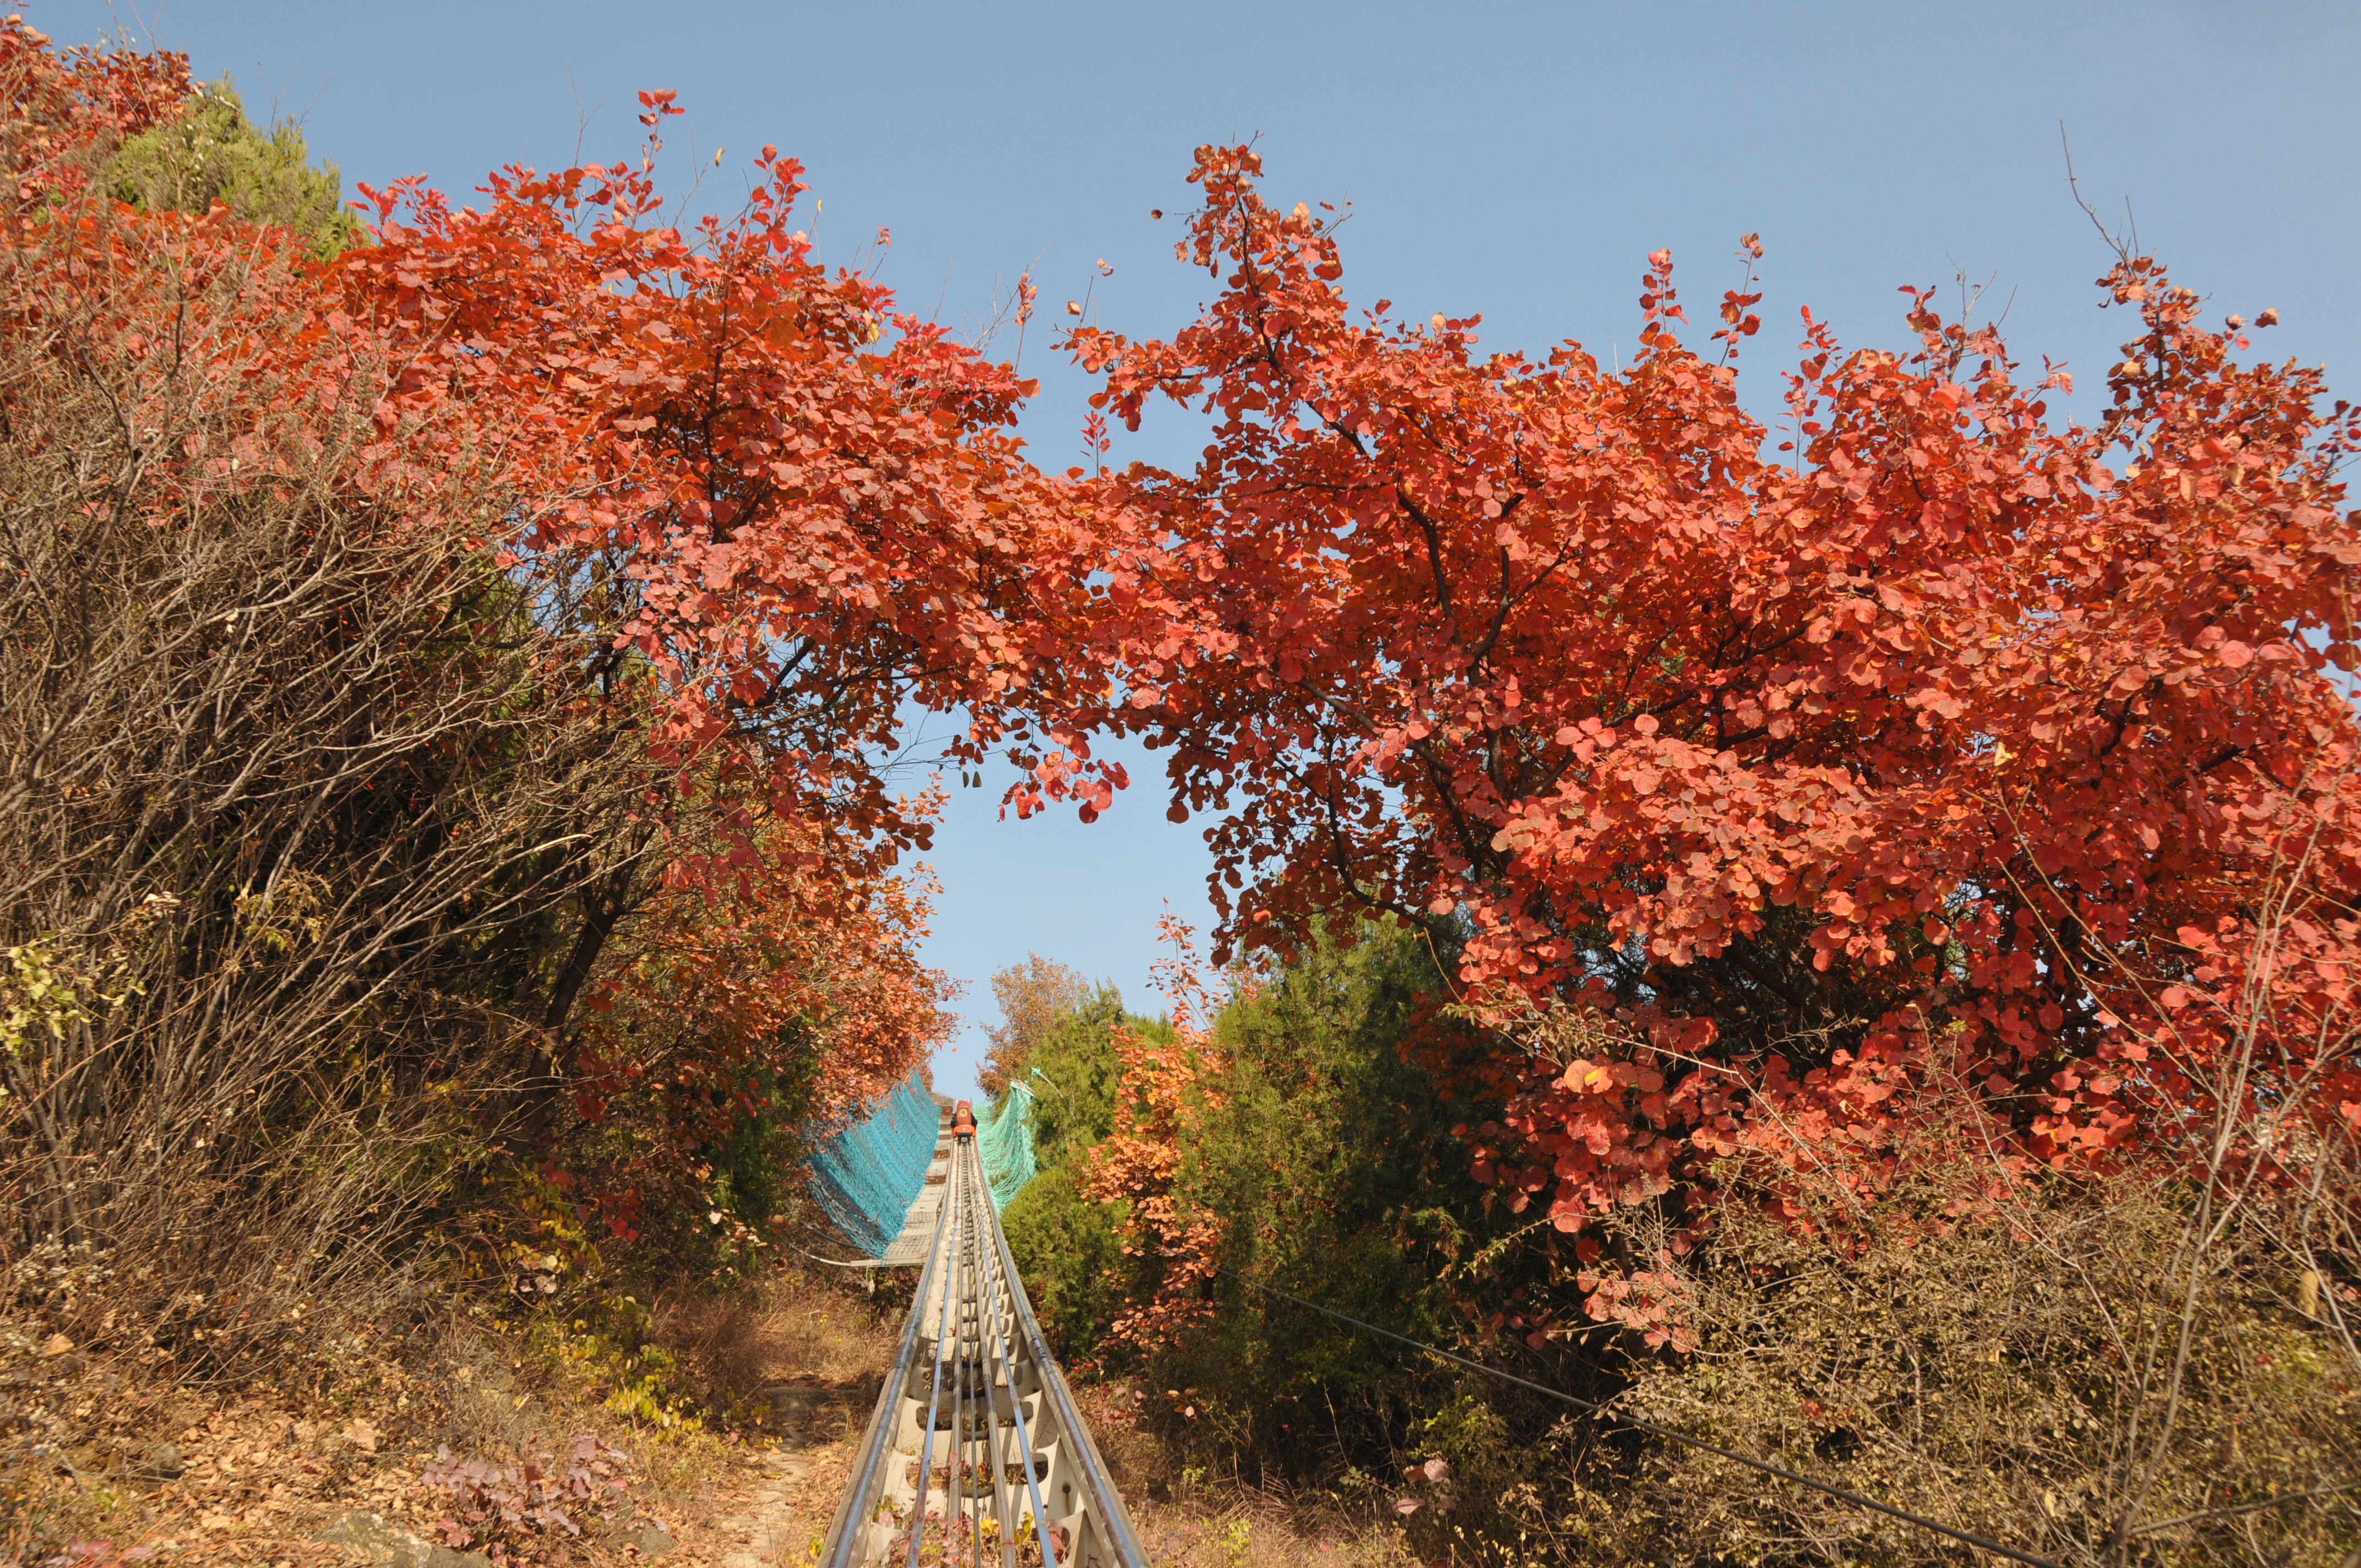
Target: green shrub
[(1064, 1243), (212, 153), (1324, 1158), (1328, 1166), (1075, 1107), (1068, 1257)]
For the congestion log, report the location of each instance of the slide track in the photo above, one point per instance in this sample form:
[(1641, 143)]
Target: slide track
[(977, 1443)]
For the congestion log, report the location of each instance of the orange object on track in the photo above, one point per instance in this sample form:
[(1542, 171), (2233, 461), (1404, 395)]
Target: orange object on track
[(963, 1120)]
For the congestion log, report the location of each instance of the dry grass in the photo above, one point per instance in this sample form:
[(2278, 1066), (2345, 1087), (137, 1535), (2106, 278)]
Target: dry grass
[(1191, 1517), (266, 1470), (305, 802), (820, 1332), (2009, 1372), (1212, 1524)]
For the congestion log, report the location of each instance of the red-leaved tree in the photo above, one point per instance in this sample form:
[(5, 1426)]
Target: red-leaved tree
[(1921, 742), (807, 508), (545, 586)]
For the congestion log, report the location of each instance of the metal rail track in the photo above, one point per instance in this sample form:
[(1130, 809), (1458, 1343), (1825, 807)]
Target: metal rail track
[(976, 1453)]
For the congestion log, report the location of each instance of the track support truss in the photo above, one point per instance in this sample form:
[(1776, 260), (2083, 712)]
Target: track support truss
[(976, 1453)]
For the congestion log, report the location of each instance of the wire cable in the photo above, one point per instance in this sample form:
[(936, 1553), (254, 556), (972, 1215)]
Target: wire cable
[(1593, 1407)]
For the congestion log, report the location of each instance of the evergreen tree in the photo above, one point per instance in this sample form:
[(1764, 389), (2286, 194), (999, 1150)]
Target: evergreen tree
[(211, 152)]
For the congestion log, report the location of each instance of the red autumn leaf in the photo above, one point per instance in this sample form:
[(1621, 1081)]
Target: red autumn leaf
[(1922, 728)]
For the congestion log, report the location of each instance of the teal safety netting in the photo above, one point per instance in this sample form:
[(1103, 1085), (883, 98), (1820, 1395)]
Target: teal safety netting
[(865, 1173), (1005, 1139)]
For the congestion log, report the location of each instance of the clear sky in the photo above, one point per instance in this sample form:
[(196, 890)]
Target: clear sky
[(1519, 160)]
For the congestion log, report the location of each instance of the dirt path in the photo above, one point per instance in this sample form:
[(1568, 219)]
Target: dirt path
[(115, 1466), (774, 1506)]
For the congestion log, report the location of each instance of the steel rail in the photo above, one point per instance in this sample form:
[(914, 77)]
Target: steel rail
[(1098, 1485), (845, 1533), (990, 1349), (948, 1217), (1016, 1418)]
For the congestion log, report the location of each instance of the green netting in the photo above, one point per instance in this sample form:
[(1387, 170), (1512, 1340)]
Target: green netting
[(1005, 1138), (866, 1173)]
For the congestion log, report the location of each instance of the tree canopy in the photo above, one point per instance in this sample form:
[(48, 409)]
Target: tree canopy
[(1919, 756)]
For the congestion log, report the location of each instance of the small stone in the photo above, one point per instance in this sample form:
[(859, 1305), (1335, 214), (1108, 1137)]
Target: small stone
[(444, 1557), (382, 1545)]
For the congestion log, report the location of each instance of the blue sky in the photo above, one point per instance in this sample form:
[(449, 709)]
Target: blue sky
[(1513, 160)]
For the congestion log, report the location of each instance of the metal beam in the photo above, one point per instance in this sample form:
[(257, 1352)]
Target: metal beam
[(976, 1442)]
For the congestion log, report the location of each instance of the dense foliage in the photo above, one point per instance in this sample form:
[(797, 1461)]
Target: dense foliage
[(1921, 822), (398, 841), (210, 152), (1902, 760), (1677, 865), (2014, 1365), (1064, 1243)]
